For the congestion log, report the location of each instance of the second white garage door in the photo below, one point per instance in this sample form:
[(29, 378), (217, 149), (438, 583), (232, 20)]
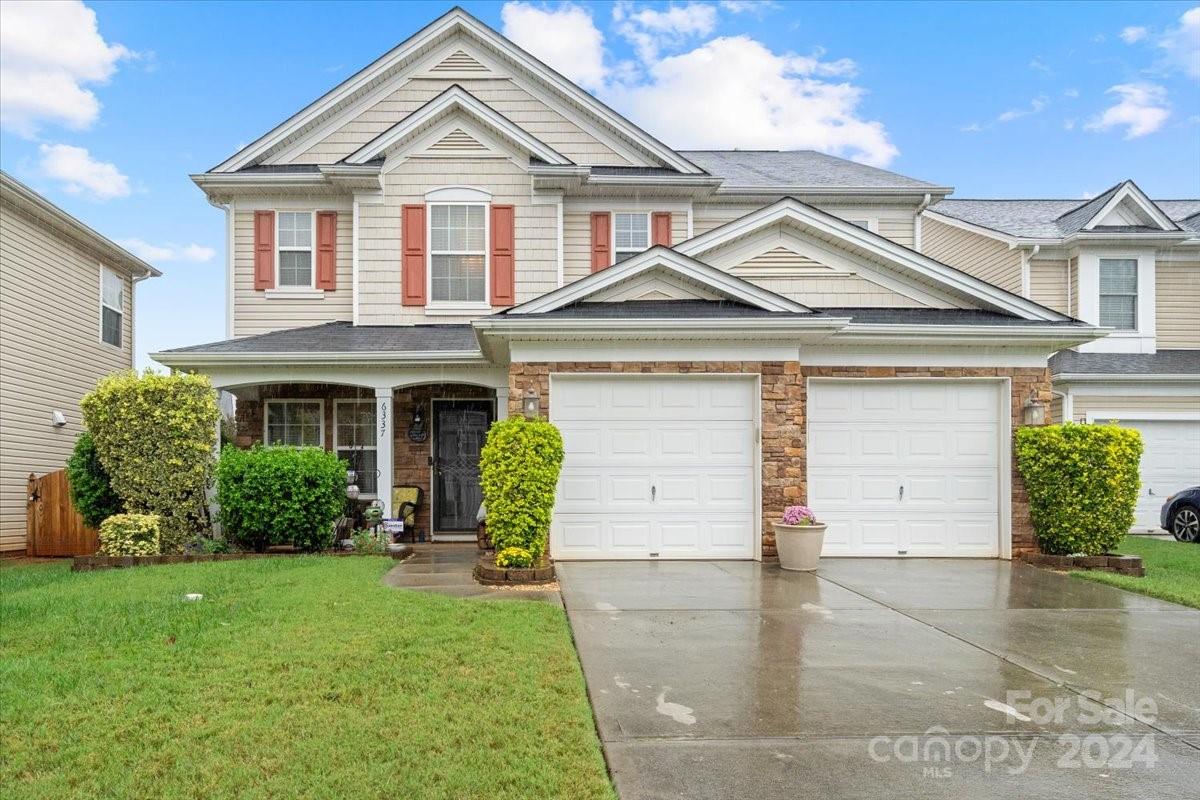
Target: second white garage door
[(905, 468), (655, 467), (1170, 462)]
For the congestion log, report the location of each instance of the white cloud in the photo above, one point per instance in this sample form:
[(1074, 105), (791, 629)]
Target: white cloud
[(1141, 110), (1133, 33), (973, 127), (1181, 45), (1035, 105), (48, 51), (744, 6), (79, 173), (195, 253), (1037, 64), (1069, 124), (1072, 93), (565, 38), (650, 31)]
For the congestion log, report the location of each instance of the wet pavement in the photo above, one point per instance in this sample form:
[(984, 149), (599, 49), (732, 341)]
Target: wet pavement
[(884, 678), (445, 569)]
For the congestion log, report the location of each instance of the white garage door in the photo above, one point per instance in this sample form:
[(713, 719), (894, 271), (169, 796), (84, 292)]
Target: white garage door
[(901, 468), (1170, 462), (655, 467)]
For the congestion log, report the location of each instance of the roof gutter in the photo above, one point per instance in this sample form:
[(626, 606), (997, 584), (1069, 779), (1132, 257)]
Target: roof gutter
[(200, 358), (1124, 377)]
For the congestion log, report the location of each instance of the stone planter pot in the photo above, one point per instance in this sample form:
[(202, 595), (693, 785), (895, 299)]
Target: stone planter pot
[(799, 546)]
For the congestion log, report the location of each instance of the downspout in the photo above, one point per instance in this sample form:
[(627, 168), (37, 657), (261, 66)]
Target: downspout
[(1026, 281), (228, 209), (917, 222), (1068, 404), (134, 280)]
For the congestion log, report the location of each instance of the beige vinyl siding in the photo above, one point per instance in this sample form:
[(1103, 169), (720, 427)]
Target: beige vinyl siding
[(1056, 410), (780, 259), (706, 216), (1048, 284), (1073, 287), (380, 246), (50, 354), (504, 96), (900, 230), (255, 312), (577, 238), (1177, 305), (1083, 404), (839, 290), (897, 224), (973, 253)]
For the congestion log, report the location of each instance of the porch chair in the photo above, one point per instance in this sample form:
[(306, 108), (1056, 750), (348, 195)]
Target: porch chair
[(406, 502)]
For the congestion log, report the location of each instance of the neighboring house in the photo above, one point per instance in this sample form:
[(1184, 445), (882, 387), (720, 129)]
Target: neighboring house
[(66, 320), (457, 230), (1121, 261)]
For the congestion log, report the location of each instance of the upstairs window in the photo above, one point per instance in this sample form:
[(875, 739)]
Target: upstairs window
[(295, 249), (295, 423), (1118, 293), (354, 441), (457, 253), (112, 307), (631, 235)]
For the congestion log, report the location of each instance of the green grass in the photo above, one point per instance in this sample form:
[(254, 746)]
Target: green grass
[(292, 678), (1172, 570)]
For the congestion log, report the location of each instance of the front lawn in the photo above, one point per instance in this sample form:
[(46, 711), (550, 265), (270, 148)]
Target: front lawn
[(1172, 570), (293, 677)]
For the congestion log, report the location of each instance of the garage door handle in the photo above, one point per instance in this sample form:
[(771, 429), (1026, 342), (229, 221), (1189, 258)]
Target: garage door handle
[(901, 491), (653, 491)]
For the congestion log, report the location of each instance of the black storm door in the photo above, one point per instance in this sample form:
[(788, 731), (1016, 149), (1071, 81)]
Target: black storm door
[(460, 427)]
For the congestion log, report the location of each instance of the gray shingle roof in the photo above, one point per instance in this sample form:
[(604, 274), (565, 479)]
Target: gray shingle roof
[(1164, 362), (796, 168), (345, 337)]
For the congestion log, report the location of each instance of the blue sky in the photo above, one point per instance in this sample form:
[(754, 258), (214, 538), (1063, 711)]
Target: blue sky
[(997, 100)]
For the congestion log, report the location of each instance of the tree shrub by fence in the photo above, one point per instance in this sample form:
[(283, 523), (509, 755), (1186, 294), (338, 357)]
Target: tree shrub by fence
[(130, 535), (519, 467), (91, 489)]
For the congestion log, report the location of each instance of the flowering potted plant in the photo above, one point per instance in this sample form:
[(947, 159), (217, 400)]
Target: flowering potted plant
[(799, 538)]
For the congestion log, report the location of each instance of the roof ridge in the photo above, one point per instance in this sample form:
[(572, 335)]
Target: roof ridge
[(1106, 193)]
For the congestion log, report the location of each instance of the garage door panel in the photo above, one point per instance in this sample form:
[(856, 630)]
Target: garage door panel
[(1170, 462)]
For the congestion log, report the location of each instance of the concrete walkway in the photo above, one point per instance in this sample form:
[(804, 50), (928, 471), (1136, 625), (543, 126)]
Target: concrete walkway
[(884, 678), (446, 569)]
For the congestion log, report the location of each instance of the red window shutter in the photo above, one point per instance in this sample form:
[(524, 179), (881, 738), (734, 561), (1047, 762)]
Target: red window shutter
[(412, 273), (264, 250), (660, 228), (327, 250), (503, 277), (601, 240)]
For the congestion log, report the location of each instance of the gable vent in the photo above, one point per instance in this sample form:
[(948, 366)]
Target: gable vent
[(779, 260), (459, 61), (458, 141)]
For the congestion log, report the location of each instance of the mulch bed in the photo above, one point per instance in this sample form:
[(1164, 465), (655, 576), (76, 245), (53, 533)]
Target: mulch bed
[(89, 563), (1109, 562)]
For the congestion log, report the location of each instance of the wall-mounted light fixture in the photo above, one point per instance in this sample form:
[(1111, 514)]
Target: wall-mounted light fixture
[(1033, 413), (531, 404), (59, 419)]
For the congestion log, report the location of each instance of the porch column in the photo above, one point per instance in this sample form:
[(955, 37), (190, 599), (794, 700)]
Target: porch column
[(502, 403), (384, 438)]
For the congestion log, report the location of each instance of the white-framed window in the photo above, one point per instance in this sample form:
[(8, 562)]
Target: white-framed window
[(294, 242), (458, 253), (865, 223), (294, 423), (112, 306), (354, 440), (631, 234), (1119, 293)]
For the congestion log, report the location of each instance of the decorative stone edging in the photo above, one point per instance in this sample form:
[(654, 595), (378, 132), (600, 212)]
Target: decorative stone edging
[(89, 563), (1109, 562), (487, 573)]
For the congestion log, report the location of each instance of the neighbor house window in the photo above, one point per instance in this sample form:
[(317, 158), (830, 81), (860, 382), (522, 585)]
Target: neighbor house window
[(295, 423), (631, 235), (1118, 293), (457, 253), (295, 249), (112, 307), (354, 441)]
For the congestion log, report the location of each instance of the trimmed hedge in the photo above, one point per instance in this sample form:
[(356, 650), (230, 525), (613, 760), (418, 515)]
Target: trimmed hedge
[(91, 490), (130, 535), (1082, 482), (280, 495), (519, 467)]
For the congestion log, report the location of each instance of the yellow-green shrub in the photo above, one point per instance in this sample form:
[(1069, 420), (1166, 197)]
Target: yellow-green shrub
[(1082, 482), (131, 535), (154, 434), (514, 557), (518, 470)]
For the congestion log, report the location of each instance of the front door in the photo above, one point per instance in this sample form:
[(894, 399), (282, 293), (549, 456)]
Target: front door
[(459, 429)]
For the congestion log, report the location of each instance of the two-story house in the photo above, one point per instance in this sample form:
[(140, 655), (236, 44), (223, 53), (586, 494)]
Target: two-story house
[(66, 320), (457, 233), (1123, 262)]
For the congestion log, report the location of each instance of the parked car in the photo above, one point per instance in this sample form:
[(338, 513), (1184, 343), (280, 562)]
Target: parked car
[(1181, 515)]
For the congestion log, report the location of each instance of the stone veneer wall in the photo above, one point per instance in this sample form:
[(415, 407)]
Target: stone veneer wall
[(784, 395)]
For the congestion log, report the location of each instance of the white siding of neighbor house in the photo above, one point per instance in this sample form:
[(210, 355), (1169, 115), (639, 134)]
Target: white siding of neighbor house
[(257, 312), (897, 224), (504, 96), (577, 237), (50, 354), (1177, 310), (973, 253), (380, 245), (1048, 283)]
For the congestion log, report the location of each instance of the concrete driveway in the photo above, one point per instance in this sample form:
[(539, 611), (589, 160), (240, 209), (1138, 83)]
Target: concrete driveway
[(884, 678)]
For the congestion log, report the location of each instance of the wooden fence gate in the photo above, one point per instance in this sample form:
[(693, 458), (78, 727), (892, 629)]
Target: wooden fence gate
[(52, 525)]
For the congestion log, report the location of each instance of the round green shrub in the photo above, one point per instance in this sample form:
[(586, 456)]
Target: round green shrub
[(280, 495), (1082, 482), (131, 535), (519, 467), (514, 557), (91, 490)]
